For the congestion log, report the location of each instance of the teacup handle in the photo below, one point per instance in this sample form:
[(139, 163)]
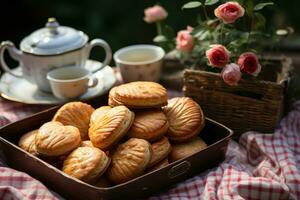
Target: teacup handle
[(13, 52), (106, 47), (93, 82)]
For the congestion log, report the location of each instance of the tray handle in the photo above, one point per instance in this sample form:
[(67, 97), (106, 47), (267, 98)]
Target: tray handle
[(179, 169)]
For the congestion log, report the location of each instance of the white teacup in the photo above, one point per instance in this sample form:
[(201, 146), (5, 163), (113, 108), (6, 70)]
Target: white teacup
[(70, 82), (139, 62)]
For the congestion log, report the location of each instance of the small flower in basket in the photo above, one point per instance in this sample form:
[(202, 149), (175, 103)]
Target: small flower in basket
[(229, 40)]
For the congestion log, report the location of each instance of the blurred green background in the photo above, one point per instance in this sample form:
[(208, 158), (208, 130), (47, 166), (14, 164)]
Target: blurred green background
[(120, 23)]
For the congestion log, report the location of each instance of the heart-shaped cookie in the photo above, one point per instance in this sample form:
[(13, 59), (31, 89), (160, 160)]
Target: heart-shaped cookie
[(55, 139), (110, 126), (75, 114)]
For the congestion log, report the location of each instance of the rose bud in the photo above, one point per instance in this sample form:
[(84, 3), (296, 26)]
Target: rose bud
[(229, 12), (231, 74), (249, 63), (185, 41), (217, 55), (155, 13)]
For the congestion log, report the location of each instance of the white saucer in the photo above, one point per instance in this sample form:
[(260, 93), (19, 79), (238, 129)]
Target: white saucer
[(20, 90)]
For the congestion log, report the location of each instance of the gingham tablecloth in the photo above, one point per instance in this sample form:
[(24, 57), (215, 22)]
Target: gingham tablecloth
[(260, 166)]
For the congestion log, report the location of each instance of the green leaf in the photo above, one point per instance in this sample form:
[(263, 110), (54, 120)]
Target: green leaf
[(204, 35), (282, 32), (259, 21), (160, 38), (262, 5), (212, 21), (254, 33), (211, 2), (192, 4), (196, 29), (168, 31)]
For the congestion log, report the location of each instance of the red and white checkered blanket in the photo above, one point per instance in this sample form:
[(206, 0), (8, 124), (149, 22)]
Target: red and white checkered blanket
[(260, 166)]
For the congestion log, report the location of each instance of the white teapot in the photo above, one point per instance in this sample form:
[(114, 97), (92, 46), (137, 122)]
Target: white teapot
[(48, 48)]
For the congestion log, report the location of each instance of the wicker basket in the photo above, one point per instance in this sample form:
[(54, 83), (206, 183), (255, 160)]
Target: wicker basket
[(251, 105)]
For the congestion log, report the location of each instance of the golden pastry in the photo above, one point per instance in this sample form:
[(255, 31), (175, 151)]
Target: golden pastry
[(98, 112), (110, 126), (160, 150), (185, 117), (111, 100), (27, 142), (159, 165), (129, 160), (55, 139), (86, 143), (183, 150), (86, 163), (76, 114), (149, 125), (140, 94)]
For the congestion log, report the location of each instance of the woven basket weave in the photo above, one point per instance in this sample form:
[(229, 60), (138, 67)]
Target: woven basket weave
[(251, 105)]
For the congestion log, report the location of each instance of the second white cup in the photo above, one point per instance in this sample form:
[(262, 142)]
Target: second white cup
[(140, 62), (70, 82)]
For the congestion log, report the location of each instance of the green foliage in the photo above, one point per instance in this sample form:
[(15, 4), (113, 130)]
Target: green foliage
[(211, 2), (160, 39), (166, 36), (196, 4), (262, 5), (192, 4), (245, 34)]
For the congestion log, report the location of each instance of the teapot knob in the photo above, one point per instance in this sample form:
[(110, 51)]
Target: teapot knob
[(52, 25)]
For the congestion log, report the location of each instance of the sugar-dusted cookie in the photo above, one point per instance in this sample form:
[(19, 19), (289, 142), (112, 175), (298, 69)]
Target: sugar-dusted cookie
[(149, 125), (110, 126), (185, 117), (139, 94), (76, 114), (55, 139), (86, 163), (129, 160)]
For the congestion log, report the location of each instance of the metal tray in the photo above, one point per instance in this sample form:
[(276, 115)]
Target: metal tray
[(214, 134)]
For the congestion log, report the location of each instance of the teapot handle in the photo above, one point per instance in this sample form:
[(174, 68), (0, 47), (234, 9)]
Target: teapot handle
[(105, 46), (13, 52)]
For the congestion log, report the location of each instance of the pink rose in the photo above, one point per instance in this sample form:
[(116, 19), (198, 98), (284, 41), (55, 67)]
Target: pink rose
[(155, 13), (229, 12), (249, 63), (185, 41), (189, 28), (231, 74), (217, 55)]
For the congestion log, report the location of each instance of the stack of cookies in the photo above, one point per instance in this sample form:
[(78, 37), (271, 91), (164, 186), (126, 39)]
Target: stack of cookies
[(139, 131)]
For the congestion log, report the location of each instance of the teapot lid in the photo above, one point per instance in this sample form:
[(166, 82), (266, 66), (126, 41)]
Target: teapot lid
[(53, 39)]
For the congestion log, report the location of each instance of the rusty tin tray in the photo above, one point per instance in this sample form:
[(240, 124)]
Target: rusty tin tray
[(214, 134)]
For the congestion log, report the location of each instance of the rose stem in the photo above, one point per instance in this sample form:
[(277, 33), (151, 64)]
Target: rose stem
[(158, 27)]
